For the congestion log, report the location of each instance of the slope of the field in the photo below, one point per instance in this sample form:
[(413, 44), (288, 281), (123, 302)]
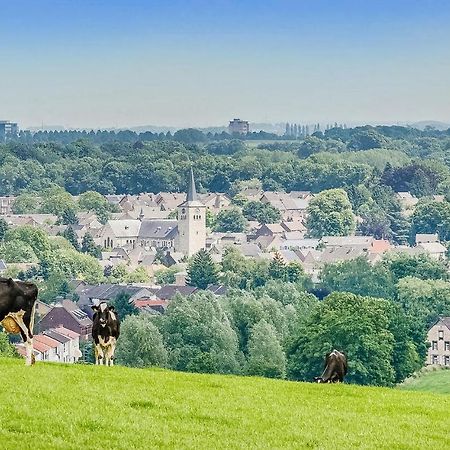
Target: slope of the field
[(86, 407), (430, 381)]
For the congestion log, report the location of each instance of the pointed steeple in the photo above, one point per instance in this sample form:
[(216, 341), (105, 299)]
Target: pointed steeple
[(192, 193)]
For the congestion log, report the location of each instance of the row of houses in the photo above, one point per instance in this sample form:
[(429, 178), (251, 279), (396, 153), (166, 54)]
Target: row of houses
[(55, 345)]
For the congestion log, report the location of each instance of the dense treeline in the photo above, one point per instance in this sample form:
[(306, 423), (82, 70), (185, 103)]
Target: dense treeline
[(125, 162)]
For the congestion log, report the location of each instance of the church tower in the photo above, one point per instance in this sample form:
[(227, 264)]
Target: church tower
[(191, 222)]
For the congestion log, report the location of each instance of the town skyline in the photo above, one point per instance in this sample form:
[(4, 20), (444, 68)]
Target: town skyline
[(198, 64)]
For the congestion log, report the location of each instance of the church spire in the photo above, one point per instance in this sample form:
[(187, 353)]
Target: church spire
[(192, 193)]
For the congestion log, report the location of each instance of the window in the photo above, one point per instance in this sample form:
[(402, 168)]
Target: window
[(447, 346), (446, 360), (441, 335), (434, 345), (434, 359)]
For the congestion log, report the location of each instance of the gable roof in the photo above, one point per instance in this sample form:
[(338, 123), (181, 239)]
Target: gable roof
[(125, 228), (158, 229)]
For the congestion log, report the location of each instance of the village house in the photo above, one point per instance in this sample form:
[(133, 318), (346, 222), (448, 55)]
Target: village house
[(6, 204), (68, 315), (292, 206), (439, 339)]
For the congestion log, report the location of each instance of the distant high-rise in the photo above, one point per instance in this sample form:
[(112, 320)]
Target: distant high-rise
[(238, 126), (8, 130)]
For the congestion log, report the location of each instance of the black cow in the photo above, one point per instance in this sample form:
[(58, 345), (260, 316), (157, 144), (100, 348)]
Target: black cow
[(335, 368), (18, 302), (105, 332)]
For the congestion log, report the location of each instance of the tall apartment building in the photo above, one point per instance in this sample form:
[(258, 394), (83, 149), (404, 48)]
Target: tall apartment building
[(7, 130), (238, 126)]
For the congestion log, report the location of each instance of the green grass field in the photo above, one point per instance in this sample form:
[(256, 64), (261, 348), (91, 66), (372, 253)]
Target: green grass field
[(86, 407), (429, 381)]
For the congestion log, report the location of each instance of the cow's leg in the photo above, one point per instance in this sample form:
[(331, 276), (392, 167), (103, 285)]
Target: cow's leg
[(26, 336), (99, 356), (110, 352)]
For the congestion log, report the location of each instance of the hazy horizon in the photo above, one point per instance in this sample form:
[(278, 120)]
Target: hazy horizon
[(200, 63)]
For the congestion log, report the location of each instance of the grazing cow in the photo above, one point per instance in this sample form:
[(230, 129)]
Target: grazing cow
[(105, 332), (17, 306), (335, 368)]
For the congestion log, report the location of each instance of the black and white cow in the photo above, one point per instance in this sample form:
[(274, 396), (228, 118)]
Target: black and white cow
[(335, 368), (18, 302), (105, 332)]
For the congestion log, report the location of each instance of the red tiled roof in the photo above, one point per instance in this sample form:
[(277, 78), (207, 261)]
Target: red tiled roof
[(150, 302), (380, 246), (48, 341), (65, 332)]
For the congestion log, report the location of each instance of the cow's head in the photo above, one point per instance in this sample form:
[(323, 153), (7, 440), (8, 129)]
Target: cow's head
[(103, 313)]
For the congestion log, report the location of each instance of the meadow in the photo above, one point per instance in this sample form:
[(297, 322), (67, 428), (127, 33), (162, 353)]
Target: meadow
[(429, 381), (56, 406)]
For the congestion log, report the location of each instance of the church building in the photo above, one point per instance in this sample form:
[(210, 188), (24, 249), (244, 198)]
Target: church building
[(191, 222)]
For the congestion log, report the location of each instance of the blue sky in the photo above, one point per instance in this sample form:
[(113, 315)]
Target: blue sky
[(197, 63)]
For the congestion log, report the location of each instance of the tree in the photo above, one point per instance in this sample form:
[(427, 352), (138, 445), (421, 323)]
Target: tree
[(362, 327), (262, 212), (89, 246), (360, 277), (231, 220), (166, 276), (6, 349), (201, 271), (16, 251), (277, 267), (420, 266), (70, 235), (266, 357), (68, 217), (432, 217), (56, 200), (123, 306), (138, 275), (140, 344), (330, 214), (25, 204), (198, 335), (3, 228), (33, 236)]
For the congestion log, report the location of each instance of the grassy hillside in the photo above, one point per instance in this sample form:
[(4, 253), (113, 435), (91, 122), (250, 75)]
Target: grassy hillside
[(430, 381), (72, 407)]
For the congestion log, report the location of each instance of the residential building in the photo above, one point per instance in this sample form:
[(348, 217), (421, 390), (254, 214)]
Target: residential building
[(191, 222), (8, 130), (158, 233), (238, 126), (6, 204), (439, 340), (68, 315)]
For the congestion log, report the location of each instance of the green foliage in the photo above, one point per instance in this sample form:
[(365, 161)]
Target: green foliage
[(6, 349), (138, 275), (94, 201), (421, 266), (26, 204), (70, 235), (67, 217), (36, 238), (56, 200), (277, 268), (265, 355), (123, 306), (72, 264), (231, 220), (3, 228), (16, 251), (432, 217), (362, 327), (198, 335), (360, 277), (140, 344), (56, 285), (89, 246), (330, 214), (166, 276), (261, 212), (201, 270)]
